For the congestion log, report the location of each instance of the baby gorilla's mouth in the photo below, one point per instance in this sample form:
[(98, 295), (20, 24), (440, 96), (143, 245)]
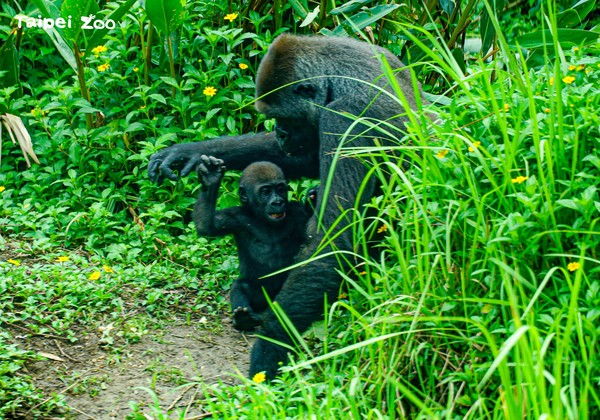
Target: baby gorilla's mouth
[(277, 216)]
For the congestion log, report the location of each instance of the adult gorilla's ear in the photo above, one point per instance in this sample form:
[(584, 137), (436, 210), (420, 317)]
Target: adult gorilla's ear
[(306, 90), (243, 195)]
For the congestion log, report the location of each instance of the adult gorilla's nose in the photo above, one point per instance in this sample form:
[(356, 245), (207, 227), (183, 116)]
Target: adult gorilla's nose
[(282, 135)]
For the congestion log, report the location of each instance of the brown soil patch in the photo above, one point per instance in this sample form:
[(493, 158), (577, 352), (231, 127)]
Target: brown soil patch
[(100, 384)]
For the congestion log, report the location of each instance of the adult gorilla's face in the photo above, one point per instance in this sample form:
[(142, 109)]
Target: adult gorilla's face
[(296, 137), (279, 95)]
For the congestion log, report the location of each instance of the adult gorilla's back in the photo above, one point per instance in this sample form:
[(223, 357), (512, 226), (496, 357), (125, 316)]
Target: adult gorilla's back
[(309, 85)]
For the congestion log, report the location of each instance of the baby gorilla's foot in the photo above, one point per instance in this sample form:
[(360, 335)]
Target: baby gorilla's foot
[(244, 319)]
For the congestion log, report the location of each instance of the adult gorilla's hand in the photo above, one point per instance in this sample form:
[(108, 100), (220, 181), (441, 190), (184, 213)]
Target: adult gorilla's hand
[(183, 158)]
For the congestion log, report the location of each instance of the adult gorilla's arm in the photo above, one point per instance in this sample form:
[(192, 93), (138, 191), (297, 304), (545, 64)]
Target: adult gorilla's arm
[(237, 152)]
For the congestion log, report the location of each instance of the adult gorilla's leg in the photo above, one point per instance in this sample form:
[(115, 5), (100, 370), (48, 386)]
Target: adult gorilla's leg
[(303, 294), (302, 299)]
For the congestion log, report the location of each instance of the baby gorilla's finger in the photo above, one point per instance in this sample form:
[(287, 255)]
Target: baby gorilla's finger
[(201, 168), (215, 161)]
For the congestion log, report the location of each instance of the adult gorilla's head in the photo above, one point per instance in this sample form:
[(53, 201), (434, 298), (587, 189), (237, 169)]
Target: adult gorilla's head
[(286, 92), (301, 76), (263, 190)]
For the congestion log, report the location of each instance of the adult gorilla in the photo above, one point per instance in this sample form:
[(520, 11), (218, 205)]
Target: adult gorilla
[(310, 85)]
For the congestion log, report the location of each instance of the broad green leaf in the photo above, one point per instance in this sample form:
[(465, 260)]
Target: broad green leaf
[(47, 9), (9, 62), (567, 38), (158, 98), (310, 17), (78, 11), (300, 7), (64, 49), (576, 14), (166, 15), (363, 19), (486, 28), (448, 6), (99, 34), (459, 56), (568, 203), (349, 7)]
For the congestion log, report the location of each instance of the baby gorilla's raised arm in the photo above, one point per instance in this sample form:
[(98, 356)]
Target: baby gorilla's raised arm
[(210, 173)]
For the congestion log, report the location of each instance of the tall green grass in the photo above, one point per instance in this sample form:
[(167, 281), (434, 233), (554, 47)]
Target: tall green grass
[(484, 299)]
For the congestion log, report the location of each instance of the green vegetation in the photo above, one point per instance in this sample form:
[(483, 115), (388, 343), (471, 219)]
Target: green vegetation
[(482, 301)]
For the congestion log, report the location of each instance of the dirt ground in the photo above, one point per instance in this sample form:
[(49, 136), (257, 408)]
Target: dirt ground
[(99, 384)]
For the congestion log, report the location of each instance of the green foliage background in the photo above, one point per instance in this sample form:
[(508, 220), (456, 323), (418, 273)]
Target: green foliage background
[(485, 299)]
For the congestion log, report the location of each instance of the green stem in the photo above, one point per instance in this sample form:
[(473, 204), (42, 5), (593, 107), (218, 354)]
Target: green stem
[(85, 93)]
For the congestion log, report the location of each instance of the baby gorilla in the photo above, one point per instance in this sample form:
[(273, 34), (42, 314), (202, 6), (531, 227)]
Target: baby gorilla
[(268, 231)]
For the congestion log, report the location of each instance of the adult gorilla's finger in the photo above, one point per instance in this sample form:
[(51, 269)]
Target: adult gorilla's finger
[(153, 165), (165, 167), (189, 166)]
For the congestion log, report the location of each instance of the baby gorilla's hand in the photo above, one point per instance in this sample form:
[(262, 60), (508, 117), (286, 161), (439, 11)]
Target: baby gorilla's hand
[(210, 170)]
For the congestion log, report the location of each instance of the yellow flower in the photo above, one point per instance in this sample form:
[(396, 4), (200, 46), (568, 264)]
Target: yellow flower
[(136, 69), (2, 188), (519, 179), (476, 144), (62, 259), (259, 378), (506, 107), (573, 266), (103, 67), (13, 262), (94, 276), (107, 269), (572, 67), (575, 49), (209, 91), (231, 17), (547, 110), (487, 308), (568, 79), (243, 66), (442, 153), (382, 229), (551, 81), (99, 49), (580, 67)]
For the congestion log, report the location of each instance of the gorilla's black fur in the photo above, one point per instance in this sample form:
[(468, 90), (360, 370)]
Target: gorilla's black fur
[(312, 86), (268, 232)]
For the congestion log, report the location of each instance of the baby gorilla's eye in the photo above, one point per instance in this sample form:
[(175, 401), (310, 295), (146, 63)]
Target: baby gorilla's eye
[(282, 190), (265, 191)]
